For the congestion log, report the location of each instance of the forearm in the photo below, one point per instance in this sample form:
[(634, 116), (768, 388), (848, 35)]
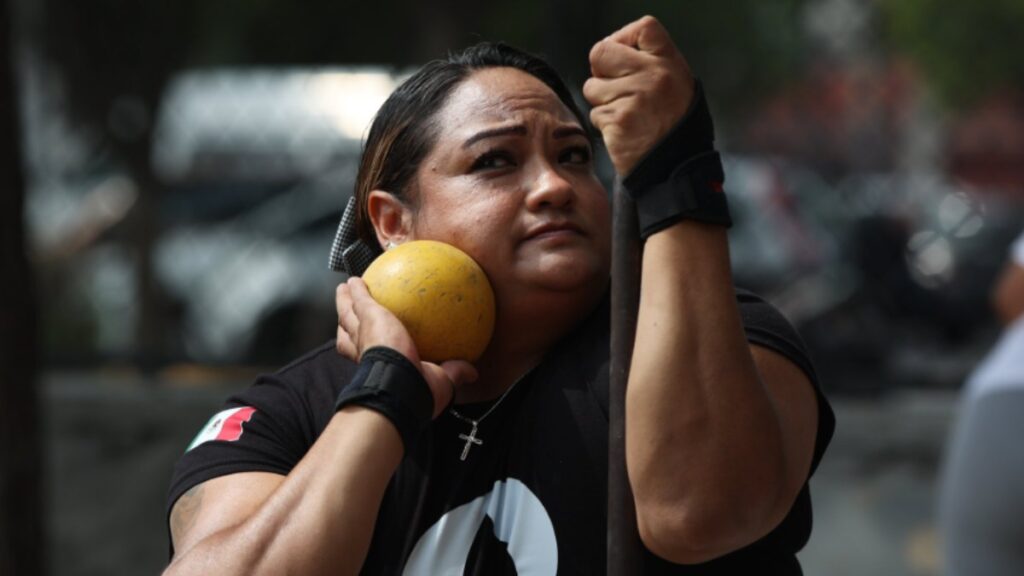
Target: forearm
[(320, 519), (704, 447)]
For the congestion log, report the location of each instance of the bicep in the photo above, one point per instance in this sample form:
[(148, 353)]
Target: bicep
[(796, 406), (218, 504)]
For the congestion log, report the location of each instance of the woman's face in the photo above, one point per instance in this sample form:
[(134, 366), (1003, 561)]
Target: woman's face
[(510, 181)]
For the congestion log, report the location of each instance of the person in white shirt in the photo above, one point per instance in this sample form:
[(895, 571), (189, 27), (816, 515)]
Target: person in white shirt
[(981, 503)]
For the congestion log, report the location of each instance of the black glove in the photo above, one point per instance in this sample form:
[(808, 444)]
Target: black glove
[(682, 176)]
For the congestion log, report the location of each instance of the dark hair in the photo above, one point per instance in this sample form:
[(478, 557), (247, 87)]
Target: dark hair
[(403, 130)]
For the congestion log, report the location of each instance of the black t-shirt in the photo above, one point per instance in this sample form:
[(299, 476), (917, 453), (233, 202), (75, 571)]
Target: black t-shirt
[(530, 499)]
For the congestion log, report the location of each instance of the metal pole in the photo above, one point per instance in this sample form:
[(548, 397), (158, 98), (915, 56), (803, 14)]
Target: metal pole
[(624, 547)]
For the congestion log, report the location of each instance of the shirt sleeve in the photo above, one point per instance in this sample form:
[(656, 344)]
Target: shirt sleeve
[(766, 326), (268, 427), (254, 431)]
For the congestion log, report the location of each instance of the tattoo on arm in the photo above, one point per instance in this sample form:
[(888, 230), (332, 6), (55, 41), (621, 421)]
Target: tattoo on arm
[(184, 513)]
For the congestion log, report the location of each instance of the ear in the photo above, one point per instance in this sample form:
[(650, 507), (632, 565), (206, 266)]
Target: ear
[(391, 218)]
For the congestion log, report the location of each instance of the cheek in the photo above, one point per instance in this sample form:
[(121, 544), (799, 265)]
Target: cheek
[(474, 227)]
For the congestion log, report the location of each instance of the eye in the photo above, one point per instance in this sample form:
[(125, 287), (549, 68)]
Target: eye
[(492, 160), (575, 155)]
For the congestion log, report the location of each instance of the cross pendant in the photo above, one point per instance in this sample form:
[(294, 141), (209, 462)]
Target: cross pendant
[(470, 440)]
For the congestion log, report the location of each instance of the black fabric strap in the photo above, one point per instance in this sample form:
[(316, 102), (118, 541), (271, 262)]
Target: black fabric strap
[(693, 192), (682, 176), (387, 382)]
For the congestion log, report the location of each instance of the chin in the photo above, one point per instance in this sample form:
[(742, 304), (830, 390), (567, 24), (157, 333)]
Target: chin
[(574, 276), (555, 295)]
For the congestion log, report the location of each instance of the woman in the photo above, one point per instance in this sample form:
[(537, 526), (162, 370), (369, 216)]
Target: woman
[(488, 152)]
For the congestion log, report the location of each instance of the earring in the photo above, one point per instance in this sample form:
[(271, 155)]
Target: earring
[(389, 245)]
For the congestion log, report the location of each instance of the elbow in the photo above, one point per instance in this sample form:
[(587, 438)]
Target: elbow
[(675, 539), (681, 538), (180, 566), (694, 533)]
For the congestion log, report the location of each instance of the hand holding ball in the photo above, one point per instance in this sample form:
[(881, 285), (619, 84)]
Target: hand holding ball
[(442, 297)]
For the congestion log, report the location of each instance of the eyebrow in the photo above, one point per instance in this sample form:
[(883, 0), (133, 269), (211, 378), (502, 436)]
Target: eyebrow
[(568, 131), (520, 130)]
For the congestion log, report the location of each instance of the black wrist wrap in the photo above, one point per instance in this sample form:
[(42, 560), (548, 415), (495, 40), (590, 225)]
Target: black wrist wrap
[(387, 382), (682, 176)]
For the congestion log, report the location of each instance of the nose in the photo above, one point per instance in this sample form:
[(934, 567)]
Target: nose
[(551, 189)]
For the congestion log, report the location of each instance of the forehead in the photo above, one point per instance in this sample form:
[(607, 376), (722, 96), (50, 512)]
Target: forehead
[(500, 95)]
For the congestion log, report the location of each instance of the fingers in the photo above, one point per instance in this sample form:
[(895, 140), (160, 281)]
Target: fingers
[(611, 59), (369, 324), (600, 91), (609, 119), (460, 372), (343, 305), (362, 302), (444, 379), (645, 34), (366, 310), (345, 346), (348, 323), (441, 387)]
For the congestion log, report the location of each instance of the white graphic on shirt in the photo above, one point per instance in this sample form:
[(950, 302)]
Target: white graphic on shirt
[(520, 521)]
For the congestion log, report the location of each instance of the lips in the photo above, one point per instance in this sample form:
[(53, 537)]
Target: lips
[(552, 229)]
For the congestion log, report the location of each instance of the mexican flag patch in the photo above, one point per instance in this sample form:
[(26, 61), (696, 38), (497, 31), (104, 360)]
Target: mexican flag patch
[(225, 425)]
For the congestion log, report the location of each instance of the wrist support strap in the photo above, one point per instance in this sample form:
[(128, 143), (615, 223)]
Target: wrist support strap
[(387, 382), (682, 176)]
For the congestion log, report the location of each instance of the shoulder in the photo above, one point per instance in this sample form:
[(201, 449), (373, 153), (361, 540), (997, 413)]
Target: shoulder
[(268, 426), (298, 399), (320, 366), (302, 392), (767, 327)]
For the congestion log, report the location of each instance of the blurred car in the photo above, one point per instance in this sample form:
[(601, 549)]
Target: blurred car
[(259, 164), (886, 276)]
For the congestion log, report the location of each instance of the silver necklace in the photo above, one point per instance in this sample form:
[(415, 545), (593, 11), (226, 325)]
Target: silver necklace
[(471, 438)]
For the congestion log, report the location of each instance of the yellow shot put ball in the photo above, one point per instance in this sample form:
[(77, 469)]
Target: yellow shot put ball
[(440, 294)]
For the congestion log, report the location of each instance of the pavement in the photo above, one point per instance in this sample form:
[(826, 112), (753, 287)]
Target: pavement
[(874, 494), (112, 440)]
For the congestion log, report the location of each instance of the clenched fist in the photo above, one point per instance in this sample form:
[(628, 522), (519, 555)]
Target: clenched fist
[(640, 88)]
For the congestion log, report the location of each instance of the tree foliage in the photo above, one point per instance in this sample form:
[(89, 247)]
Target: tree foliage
[(742, 48), (111, 49), (967, 49)]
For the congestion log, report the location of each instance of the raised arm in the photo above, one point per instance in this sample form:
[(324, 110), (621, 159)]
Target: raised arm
[(719, 434)]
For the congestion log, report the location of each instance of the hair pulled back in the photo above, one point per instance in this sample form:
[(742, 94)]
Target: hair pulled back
[(404, 129)]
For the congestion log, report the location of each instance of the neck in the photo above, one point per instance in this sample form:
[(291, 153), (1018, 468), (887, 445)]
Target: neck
[(501, 366), (522, 337)]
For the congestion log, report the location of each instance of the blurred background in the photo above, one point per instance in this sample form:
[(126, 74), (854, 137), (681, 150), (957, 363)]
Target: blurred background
[(173, 173)]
